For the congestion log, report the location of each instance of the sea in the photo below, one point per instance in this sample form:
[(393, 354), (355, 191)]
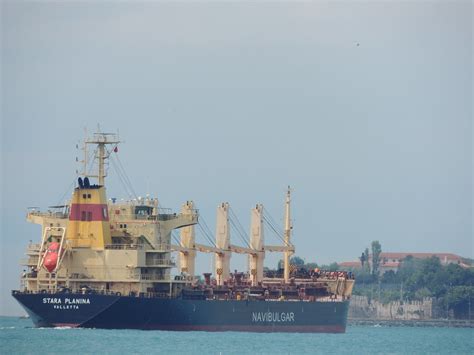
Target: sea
[(18, 336)]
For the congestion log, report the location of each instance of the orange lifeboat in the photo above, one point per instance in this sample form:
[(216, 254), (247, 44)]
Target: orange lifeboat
[(51, 256)]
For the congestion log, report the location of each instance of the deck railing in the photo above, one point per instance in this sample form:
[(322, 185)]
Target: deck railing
[(48, 214), (125, 246), (158, 262)]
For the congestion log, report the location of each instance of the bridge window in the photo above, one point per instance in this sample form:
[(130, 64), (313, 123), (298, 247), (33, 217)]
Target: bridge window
[(143, 211)]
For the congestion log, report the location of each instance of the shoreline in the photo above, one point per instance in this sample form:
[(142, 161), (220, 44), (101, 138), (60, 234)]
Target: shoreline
[(445, 323)]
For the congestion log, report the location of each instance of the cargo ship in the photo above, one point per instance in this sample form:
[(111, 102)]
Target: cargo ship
[(110, 264)]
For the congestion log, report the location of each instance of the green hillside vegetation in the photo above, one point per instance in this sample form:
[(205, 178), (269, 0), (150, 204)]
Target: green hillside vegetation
[(416, 279), (452, 286)]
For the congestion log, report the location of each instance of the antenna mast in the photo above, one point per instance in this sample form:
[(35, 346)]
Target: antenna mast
[(100, 139), (287, 235)]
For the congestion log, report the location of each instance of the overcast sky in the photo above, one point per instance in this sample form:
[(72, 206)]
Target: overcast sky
[(364, 108)]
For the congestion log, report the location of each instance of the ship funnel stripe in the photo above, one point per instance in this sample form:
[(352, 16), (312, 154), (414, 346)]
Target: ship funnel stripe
[(88, 212)]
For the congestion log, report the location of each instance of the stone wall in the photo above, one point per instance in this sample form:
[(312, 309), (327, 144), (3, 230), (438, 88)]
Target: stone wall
[(362, 307)]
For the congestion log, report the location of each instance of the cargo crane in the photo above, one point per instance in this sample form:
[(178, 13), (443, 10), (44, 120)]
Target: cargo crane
[(223, 248)]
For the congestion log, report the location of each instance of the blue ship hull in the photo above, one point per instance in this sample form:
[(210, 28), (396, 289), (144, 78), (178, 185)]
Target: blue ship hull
[(123, 312)]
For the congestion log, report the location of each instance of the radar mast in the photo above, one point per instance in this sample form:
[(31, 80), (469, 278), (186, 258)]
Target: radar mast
[(100, 139)]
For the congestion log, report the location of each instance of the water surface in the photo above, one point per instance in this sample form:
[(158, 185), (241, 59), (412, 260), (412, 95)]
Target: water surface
[(18, 336)]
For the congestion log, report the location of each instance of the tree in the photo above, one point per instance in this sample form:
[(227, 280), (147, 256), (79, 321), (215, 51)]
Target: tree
[(457, 276), (331, 267), (451, 285), (310, 266), (422, 293), (280, 264), (362, 277), (296, 260), (389, 277), (362, 259), (459, 298), (376, 250), (366, 256)]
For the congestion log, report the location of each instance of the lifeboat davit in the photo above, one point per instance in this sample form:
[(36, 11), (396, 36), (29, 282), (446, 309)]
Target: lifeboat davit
[(51, 256)]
